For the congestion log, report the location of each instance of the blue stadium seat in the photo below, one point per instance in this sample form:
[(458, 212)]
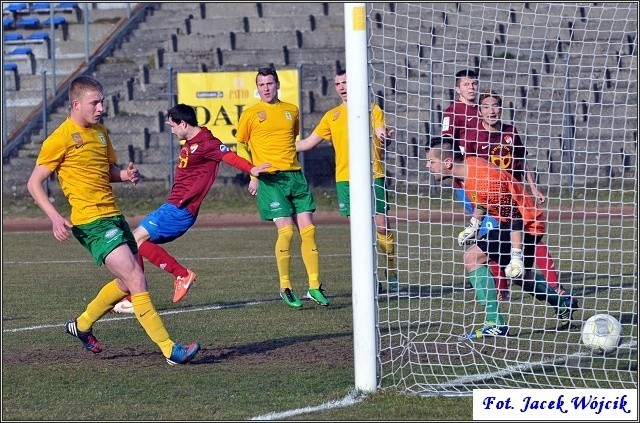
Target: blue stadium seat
[(8, 67), (57, 20), (67, 5), (41, 7), (21, 50), (28, 22), (12, 36), (38, 36), (24, 58), (17, 8), (40, 42), (7, 23)]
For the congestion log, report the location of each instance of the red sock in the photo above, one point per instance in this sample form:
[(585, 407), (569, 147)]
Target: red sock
[(498, 276), (545, 264), (159, 257)]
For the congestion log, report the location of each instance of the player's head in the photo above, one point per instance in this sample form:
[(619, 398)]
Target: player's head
[(268, 84), (467, 86), (183, 113), (442, 153), (340, 84), (490, 108), (86, 100), (181, 118)]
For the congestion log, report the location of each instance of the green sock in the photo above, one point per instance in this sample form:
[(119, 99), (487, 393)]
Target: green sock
[(485, 288)]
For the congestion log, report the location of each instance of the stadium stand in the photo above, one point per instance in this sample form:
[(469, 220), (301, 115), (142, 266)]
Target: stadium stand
[(203, 37), (11, 71), (25, 60)]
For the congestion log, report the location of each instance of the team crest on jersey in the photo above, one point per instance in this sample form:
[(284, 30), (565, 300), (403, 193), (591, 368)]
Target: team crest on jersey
[(102, 138), (193, 148), (287, 115), (224, 148), (262, 115), (77, 139), (336, 115), (508, 139)]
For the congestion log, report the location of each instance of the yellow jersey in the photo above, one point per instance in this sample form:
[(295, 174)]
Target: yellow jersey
[(334, 126), (269, 133), (82, 157)]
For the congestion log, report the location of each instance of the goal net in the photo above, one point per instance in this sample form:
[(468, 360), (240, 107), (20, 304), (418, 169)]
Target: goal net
[(567, 75)]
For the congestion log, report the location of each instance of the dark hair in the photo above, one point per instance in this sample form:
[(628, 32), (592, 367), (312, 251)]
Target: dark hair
[(465, 73), (492, 94), (266, 71), (448, 147), (183, 112), (81, 85), (341, 72)]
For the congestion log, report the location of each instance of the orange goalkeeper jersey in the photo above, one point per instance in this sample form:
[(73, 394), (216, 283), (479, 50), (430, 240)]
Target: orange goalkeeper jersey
[(501, 195)]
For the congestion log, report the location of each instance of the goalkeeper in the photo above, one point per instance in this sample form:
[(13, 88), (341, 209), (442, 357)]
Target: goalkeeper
[(512, 245)]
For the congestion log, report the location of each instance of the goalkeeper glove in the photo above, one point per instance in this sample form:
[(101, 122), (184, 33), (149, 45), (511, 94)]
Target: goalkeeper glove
[(515, 268), (469, 232)]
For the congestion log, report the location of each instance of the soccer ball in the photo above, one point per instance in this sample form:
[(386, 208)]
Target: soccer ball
[(601, 333)]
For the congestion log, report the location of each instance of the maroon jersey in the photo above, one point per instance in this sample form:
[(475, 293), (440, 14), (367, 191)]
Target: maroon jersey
[(460, 122), (502, 148), (196, 170)]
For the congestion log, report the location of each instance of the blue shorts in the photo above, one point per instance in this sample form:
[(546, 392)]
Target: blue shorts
[(167, 223), (487, 223)]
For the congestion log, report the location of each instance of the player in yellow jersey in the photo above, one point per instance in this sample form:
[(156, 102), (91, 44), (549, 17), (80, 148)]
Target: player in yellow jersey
[(267, 133), (334, 127), (81, 153)]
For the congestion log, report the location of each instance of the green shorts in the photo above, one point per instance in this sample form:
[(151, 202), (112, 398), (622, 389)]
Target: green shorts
[(378, 191), (284, 194), (342, 188), (102, 236)]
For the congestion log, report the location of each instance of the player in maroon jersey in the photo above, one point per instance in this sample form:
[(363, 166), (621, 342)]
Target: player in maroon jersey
[(460, 122), (461, 118), (501, 144), (197, 168)]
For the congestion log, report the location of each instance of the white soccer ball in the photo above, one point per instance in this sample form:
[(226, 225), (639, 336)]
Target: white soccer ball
[(601, 333)]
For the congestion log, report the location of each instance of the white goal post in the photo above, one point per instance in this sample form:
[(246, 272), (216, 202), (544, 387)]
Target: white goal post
[(567, 76)]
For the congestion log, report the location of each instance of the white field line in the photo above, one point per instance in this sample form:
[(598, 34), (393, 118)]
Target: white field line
[(351, 399), (162, 313)]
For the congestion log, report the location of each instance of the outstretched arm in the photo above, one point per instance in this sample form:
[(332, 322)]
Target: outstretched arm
[(242, 164), (308, 143)]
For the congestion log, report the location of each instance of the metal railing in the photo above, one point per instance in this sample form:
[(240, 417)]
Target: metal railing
[(36, 118)]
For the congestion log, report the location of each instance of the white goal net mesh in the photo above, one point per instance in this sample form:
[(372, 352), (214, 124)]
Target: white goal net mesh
[(567, 75)]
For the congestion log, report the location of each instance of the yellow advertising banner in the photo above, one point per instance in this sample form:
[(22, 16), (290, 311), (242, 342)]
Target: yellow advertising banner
[(220, 97)]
